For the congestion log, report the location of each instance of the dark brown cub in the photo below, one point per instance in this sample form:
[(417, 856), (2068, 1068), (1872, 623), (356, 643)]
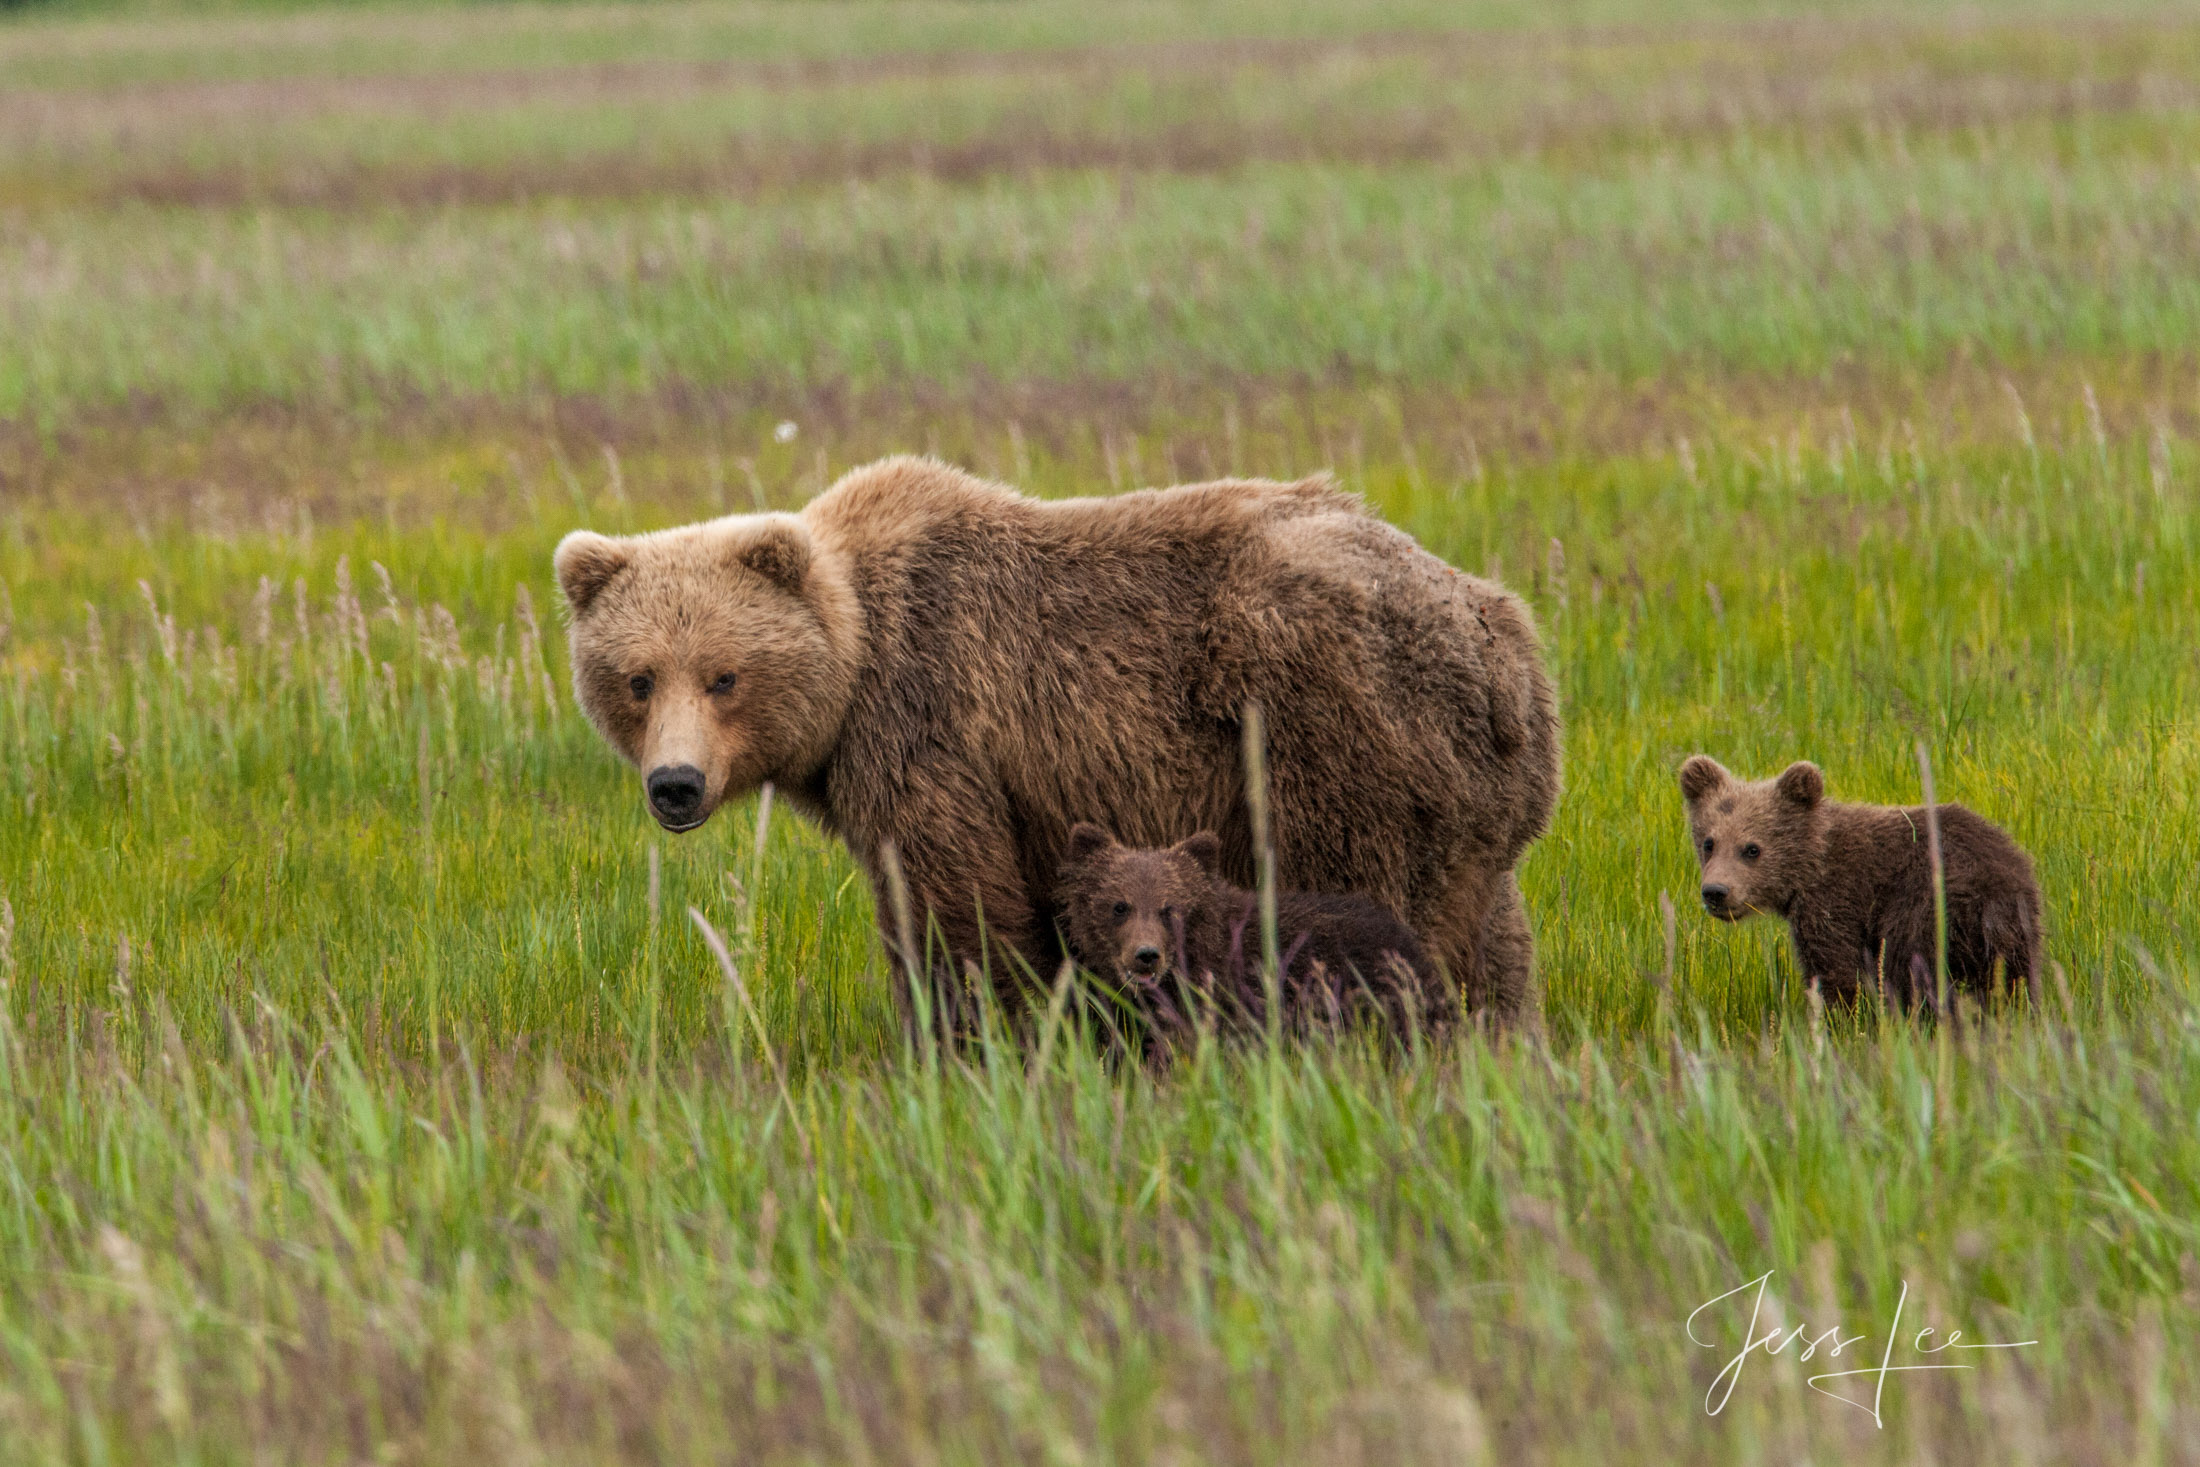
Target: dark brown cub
[(1179, 945)]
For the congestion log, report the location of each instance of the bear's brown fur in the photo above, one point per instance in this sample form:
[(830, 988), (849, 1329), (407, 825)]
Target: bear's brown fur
[(923, 658), (1182, 945), (1855, 882)]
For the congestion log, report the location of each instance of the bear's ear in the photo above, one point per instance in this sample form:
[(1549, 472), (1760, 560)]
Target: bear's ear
[(1205, 849), (1087, 840), (779, 551), (1700, 776), (586, 563), (1801, 783)]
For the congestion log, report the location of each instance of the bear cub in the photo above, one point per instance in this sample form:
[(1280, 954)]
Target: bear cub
[(1855, 883), (1181, 944)]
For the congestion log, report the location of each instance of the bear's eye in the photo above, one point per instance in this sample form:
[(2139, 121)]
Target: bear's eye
[(640, 684), (1707, 845), (721, 684), (1167, 913), (1122, 910), (1750, 852)]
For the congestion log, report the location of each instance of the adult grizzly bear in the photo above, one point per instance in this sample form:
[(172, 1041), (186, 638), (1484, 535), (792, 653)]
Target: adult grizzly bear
[(923, 658)]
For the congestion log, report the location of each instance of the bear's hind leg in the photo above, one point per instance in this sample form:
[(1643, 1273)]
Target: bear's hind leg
[(1508, 956), (1479, 934), (2013, 935)]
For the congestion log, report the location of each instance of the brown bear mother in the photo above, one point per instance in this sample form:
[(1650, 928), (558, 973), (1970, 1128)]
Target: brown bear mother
[(924, 658)]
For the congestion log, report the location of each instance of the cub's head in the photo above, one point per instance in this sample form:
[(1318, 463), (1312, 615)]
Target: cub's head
[(1757, 843), (714, 656), (1132, 915)]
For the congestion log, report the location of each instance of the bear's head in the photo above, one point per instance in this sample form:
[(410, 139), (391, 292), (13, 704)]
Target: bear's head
[(1758, 844), (713, 657), (1138, 917)]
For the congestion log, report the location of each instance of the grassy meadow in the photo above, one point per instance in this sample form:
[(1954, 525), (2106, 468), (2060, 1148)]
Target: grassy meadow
[(1830, 382)]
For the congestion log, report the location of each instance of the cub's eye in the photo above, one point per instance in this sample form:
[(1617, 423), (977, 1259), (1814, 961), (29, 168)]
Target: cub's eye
[(723, 683), (1750, 852), (1122, 910), (1167, 913), (1707, 844), (640, 685)]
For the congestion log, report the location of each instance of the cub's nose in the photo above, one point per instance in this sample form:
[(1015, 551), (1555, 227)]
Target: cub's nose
[(1146, 960), (1714, 899), (676, 795)]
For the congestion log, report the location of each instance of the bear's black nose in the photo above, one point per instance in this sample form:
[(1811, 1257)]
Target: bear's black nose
[(1714, 899), (1146, 959), (676, 795)]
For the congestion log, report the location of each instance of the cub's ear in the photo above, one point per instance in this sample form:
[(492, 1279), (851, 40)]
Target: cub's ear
[(1087, 840), (1205, 849), (1700, 776), (586, 563), (779, 551), (1801, 783)]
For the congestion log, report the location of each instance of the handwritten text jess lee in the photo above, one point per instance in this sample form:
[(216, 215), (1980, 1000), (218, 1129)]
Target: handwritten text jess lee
[(1774, 1341)]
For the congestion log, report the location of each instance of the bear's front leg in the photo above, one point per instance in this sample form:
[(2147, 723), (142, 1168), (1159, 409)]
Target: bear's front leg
[(1834, 954), (973, 924)]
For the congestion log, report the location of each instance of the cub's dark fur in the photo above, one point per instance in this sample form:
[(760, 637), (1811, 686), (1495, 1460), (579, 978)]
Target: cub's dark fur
[(1855, 882), (1182, 944)]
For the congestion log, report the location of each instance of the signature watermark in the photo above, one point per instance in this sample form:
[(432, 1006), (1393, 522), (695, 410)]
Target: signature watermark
[(1845, 1386)]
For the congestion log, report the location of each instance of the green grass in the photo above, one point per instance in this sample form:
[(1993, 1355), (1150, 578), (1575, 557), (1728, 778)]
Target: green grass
[(366, 1092), (1276, 273), (1462, 210)]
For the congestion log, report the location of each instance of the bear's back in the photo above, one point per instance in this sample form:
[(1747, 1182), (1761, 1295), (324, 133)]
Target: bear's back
[(900, 502), (1345, 931), (1883, 849), (1344, 957)]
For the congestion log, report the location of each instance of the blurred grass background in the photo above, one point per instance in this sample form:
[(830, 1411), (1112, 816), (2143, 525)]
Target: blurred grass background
[(1825, 378)]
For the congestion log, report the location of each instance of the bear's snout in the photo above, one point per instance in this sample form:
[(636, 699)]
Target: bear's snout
[(1146, 961), (1717, 900), (676, 796)]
